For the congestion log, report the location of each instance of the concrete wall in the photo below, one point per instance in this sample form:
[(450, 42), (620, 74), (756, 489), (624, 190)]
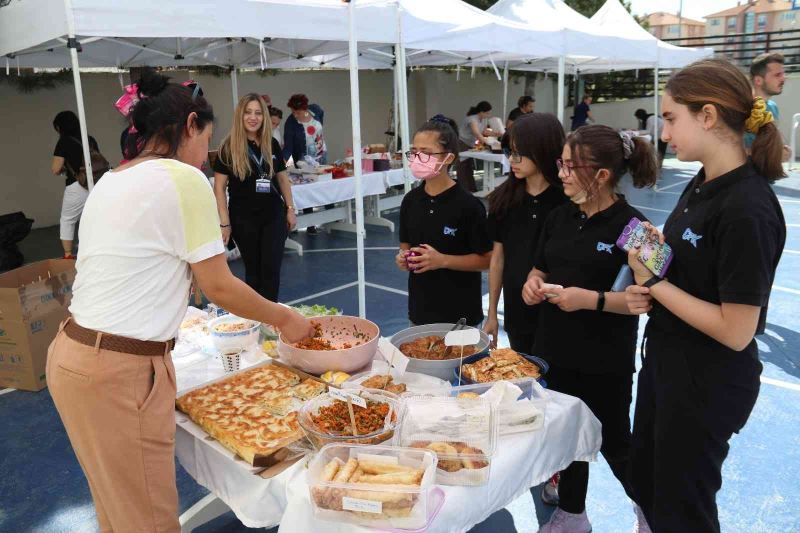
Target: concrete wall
[(27, 137)]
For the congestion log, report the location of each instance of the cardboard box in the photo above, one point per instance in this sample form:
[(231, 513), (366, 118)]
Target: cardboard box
[(34, 300)]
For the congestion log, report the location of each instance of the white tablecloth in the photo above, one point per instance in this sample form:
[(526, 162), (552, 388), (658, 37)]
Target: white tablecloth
[(322, 193), (488, 156), (521, 461)]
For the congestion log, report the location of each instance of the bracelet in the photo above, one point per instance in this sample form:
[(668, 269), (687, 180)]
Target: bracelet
[(601, 301), (224, 225), (652, 281)]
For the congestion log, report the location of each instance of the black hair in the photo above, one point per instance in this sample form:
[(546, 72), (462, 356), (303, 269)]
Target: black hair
[(448, 137), (539, 137), (599, 146), (67, 124), (642, 115), (525, 100), (482, 107), (275, 112), (163, 110)]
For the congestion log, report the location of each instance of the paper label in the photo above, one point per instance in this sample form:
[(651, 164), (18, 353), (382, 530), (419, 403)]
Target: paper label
[(462, 337), (383, 459), (380, 366), (343, 395), (397, 361), (361, 506)]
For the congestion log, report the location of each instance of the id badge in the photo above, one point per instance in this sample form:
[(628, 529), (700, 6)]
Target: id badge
[(263, 186)]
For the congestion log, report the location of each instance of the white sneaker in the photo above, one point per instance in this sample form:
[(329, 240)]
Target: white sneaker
[(550, 491), (564, 522), (641, 525)]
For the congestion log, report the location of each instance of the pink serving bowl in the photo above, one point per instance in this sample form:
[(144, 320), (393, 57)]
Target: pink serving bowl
[(339, 330)]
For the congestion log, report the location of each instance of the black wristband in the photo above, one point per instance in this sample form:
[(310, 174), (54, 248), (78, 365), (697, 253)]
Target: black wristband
[(652, 281), (601, 300)]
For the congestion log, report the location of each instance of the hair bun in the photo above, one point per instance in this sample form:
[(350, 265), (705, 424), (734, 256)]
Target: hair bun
[(152, 83)]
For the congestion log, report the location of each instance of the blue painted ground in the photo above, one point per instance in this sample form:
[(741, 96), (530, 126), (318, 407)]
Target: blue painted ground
[(42, 488)]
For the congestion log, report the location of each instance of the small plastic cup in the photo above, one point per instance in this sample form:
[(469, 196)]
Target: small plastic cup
[(231, 360)]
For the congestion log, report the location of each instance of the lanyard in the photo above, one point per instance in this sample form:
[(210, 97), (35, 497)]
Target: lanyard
[(259, 161)]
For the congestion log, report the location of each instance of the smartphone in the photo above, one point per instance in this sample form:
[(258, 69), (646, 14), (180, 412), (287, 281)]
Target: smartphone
[(654, 255), (624, 279)]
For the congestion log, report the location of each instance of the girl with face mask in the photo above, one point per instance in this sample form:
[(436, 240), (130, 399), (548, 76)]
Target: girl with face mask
[(585, 332), (444, 243)]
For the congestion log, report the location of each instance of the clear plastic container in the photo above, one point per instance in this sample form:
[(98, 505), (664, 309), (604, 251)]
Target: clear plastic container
[(526, 412), (375, 503), (462, 431), (320, 437)]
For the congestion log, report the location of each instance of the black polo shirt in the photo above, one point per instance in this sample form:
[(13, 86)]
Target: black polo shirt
[(578, 252), (71, 149), (518, 231), (454, 223), (243, 198), (727, 236)]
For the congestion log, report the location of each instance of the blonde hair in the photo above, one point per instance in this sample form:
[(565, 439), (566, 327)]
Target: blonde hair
[(234, 152)]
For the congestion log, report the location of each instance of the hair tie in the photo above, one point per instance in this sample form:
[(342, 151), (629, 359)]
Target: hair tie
[(759, 116), (627, 144), (440, 118)]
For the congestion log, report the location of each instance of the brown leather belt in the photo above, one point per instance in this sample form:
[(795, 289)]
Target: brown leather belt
[(115, 343)]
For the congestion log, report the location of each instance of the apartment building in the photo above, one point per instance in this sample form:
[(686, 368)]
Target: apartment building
[(669, 26), (754, 16)]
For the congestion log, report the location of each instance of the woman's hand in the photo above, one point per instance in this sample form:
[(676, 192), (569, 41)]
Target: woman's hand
[(291, 219), (296, 327), (400, 260), (428, 259), (491, 327), (573, 298), (638, 299), (532, 293), (226, 235)]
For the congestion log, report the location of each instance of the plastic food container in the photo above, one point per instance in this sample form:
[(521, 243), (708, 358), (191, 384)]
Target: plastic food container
[(527, 413), (462, 432), (320, 438), (442, 369), (347, 359), (401, 506), (228, 341)]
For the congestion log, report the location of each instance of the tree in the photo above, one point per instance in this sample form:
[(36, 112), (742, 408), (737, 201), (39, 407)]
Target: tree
[(586, 8)]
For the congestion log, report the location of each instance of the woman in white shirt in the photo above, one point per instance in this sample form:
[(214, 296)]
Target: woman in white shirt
[(148, 227), (473, 129)]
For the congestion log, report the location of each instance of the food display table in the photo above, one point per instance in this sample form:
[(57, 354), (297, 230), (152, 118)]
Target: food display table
[(489, 159), (279, 495)]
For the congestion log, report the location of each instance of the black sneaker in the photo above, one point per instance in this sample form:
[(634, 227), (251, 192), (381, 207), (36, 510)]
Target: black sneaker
[(312, 230)]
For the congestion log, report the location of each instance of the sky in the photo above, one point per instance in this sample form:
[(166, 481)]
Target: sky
[(694, 9)]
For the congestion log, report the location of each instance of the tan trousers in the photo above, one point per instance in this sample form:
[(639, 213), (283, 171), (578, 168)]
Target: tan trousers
[(119, 412)]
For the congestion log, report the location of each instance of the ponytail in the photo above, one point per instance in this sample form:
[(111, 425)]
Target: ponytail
[(642, 164), (481, 107), (767, 152)]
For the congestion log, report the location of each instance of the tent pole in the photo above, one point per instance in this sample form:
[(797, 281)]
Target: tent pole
[(396, 104), (402, 80), (73, 45), (655, 107), (562, 66), (356, 115), (505, 90), (235, 85)]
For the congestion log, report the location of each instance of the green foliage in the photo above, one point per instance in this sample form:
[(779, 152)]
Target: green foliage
[(586, 8), (28, 81)]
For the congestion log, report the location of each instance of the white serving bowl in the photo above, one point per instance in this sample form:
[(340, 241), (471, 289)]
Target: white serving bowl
[(233, 340)]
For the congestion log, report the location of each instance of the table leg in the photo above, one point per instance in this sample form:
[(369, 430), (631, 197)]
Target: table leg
[(490, 175), (292, 244), (202, 512), (487, 168)]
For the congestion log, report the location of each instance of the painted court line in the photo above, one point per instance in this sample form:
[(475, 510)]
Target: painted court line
[(786, 289), (781, 384), (385, 288), (651, 209), (674, 185), (6, 391), (791, 251), (369, 248), (323, 293)]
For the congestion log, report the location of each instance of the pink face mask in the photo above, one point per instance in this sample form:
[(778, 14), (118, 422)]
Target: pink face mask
[(427, 170)]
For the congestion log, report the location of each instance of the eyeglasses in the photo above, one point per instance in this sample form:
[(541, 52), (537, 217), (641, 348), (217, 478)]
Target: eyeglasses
[(514, 157), (422, 156), (569, 168)]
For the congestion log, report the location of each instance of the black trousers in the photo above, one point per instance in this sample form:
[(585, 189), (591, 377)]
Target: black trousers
[(261, 239), (609, 398), (465, 170), (521, 342), (689, 402)]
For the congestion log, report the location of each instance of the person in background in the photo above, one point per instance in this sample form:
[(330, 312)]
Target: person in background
[(526, 104), (303, 137), (150, 226), (727, 233), (652, 125), (517, 212), (275, 117), (68, 159), (583, 113), (587, 333), (251, 172), (768, 76), (473, 130), (444, 227)]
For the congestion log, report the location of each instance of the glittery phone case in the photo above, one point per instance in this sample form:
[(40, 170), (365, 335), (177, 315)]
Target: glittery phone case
[(655, 256)]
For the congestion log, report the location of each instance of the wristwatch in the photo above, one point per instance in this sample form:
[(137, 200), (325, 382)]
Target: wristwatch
[(652, 281), (601, 300)]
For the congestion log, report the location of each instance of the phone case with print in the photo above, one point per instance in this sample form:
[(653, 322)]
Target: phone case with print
[(655, 256)]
